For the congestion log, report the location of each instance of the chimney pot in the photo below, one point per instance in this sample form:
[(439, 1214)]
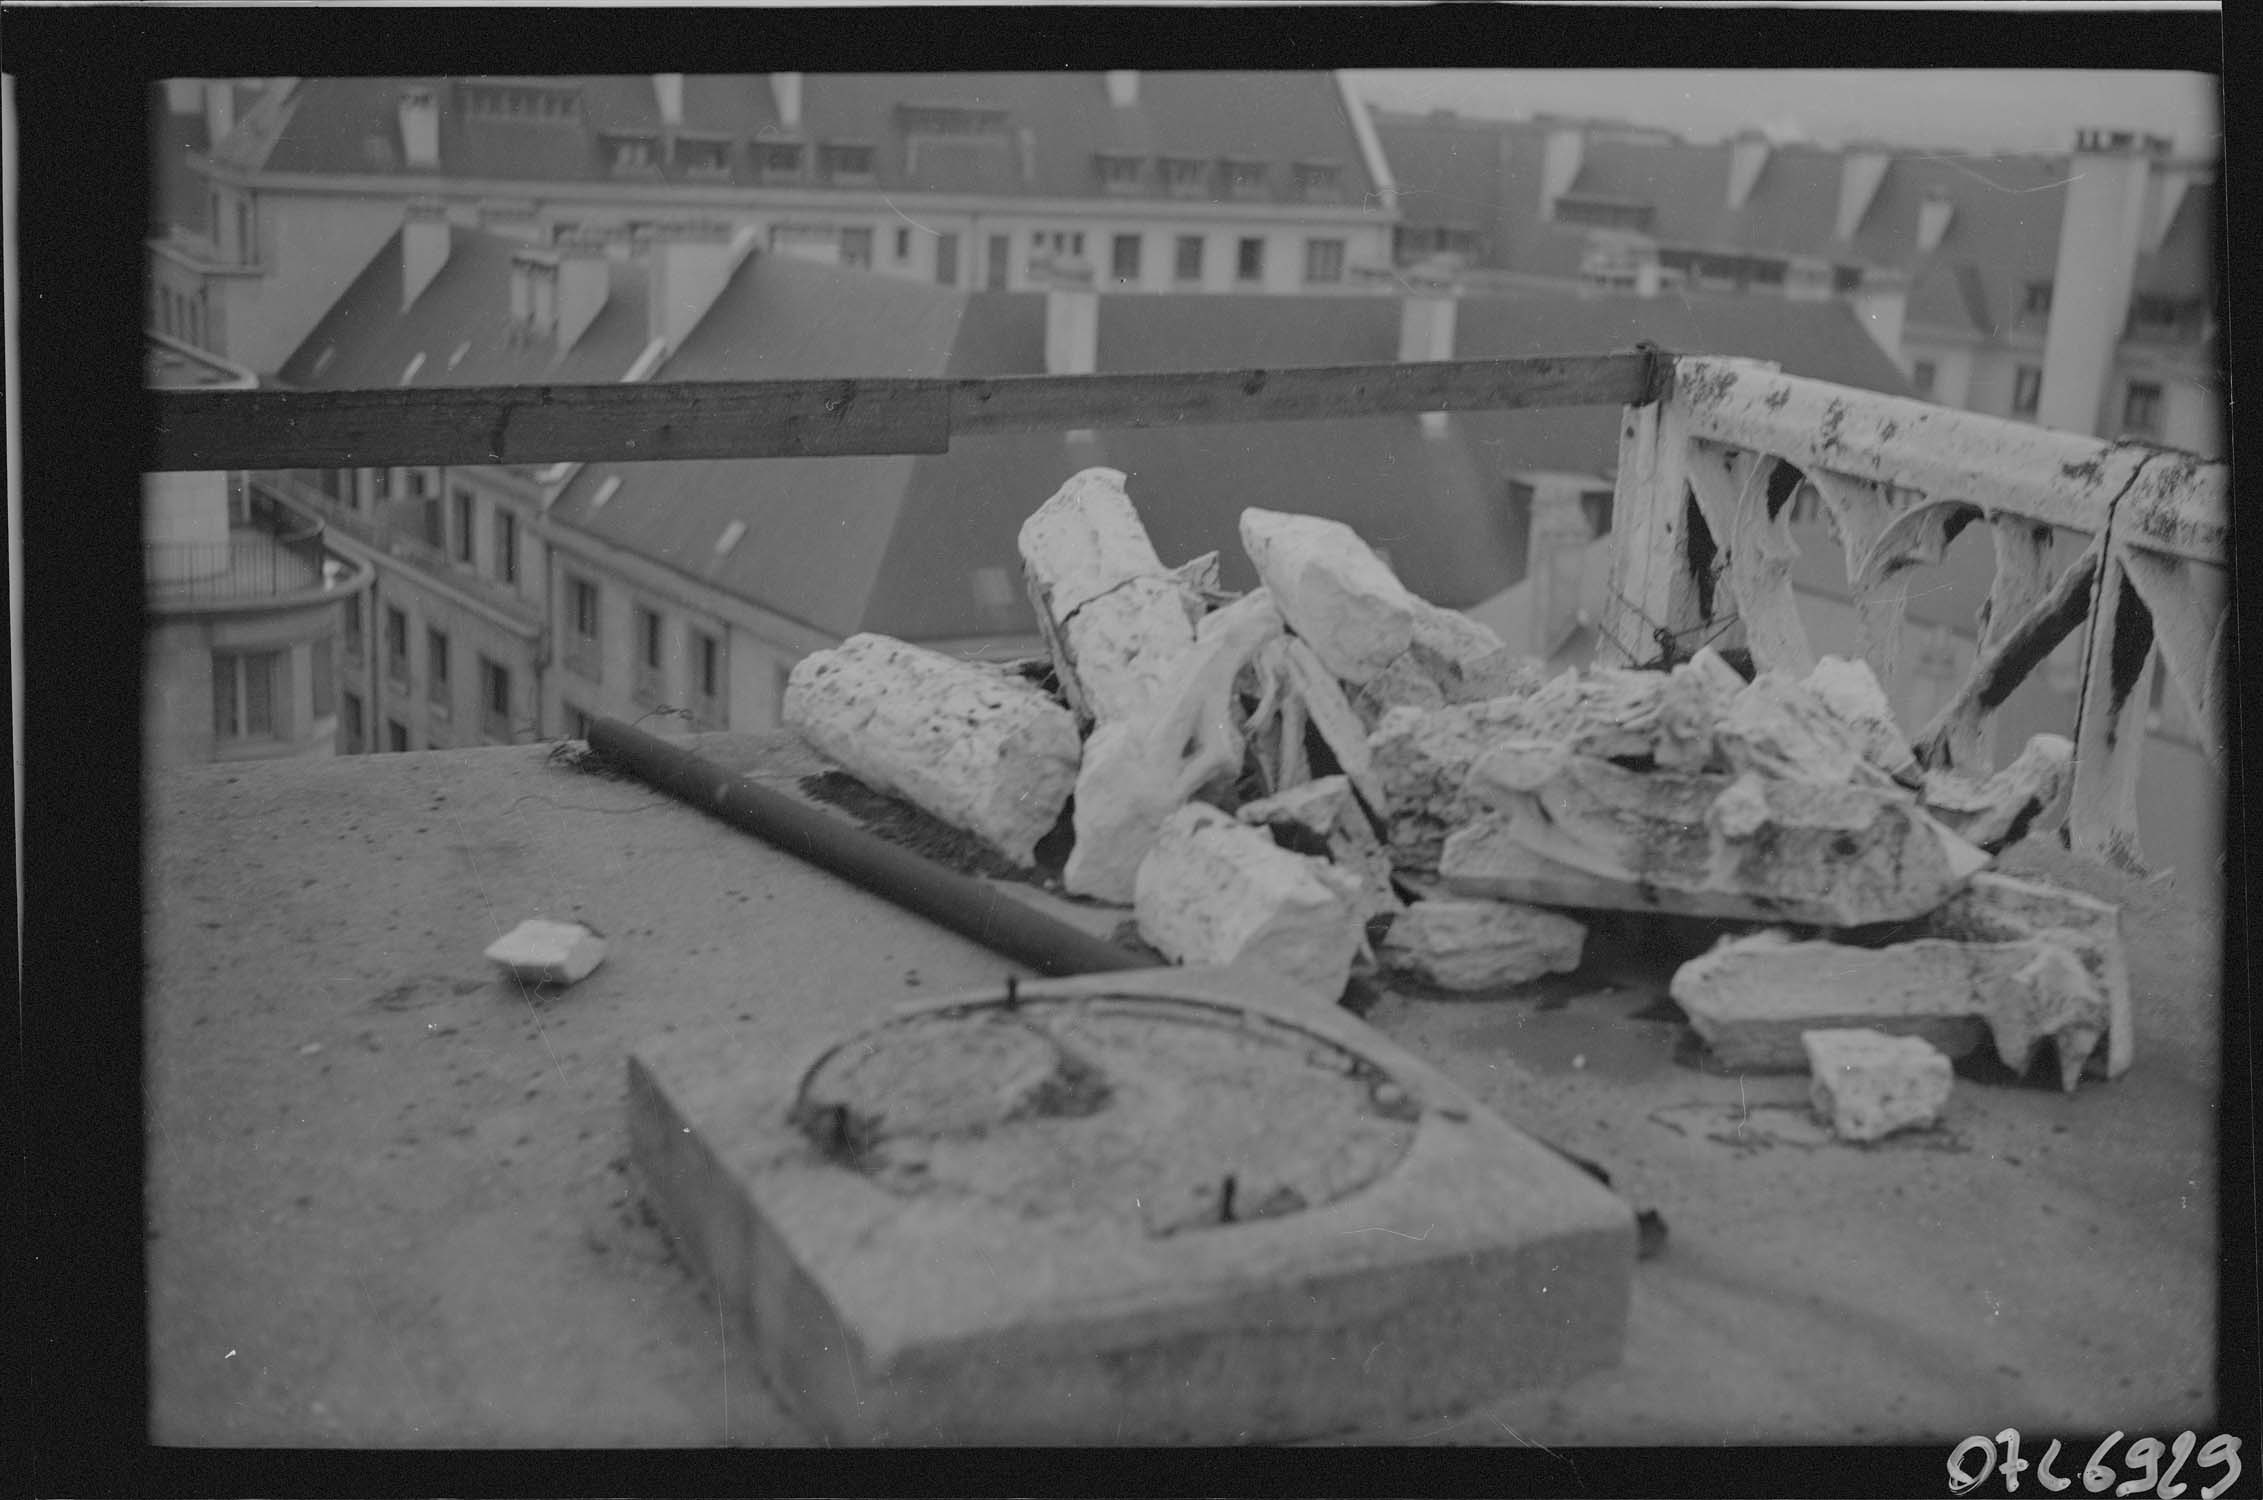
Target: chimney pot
[(1748, 158), (426, 240), (1560, 163), (785, 91), (668, 92), (1861, 171), (1123, 89), (420, 125)]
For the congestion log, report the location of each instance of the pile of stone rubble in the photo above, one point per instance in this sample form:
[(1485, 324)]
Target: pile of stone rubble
[(1270, 778)]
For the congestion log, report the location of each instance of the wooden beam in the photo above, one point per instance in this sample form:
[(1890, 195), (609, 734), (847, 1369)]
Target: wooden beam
[(276, 429)]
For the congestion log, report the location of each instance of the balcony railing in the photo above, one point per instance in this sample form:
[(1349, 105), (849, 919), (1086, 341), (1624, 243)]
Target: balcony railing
[(252, 564), (1700, 545), (294, 497)]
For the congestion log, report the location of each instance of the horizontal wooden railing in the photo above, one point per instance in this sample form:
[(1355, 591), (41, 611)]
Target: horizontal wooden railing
[(1701, 539), (275, 429)]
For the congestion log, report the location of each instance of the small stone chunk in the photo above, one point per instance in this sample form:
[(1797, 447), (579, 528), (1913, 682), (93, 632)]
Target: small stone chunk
[(1337, 595), (1999, 908), (1870, 1085), (1327, 813), (1848, 688), (1422, 760), (1460, 943), (539, 952), (1215, 890)]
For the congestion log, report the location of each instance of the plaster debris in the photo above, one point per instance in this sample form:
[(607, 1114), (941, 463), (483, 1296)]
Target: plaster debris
[(1998, 908), (1215, 890), (1750, 998), (1869, 1085), (1572, 830), (539, 952), (1780, 728), (978, 750), (2024, 797), (1848, 688), (1116, 623), (1337, 595), (1421, 760), (1461, 943), (1325, 817)]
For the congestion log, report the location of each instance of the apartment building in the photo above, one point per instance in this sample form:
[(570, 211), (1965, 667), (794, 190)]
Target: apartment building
[(1223, 182), (244, 606), (2074, 290), (623, 589)]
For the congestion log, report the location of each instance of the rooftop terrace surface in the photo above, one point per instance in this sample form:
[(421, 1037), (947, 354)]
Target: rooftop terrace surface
[(389, 1199)]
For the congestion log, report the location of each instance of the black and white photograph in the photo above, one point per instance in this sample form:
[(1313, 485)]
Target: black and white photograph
[(1184, 757)]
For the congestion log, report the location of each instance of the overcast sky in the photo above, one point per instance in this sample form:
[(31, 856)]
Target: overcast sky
[(1976, 109)]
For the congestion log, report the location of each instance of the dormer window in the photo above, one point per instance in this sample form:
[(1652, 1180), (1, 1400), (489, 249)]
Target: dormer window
[(1119, 174), (1244, 177), (630, 155), (1603, 213), (703, 158), (519, 101), (2037, 302), (951, 119), (779, 161), (1185, 176), (1319, 181), (845, 161)]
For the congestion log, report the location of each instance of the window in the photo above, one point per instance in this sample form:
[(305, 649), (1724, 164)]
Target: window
[(903, 244), (1922, 375), (1118, 174), (380, 486), (1323, 260), (856, 247), (998, 270), (396, 735), (245, 252), (2037, 303), (244, 693), (421, 483), (951, 119), (1186, 263), (350, 637), (707, 680), (776, 159), (2027, 391), (435, 525), (1244, 178), (436, 669), (582, 653), (1319, 181), (506, 545), (947, 260), (843, 160), (649, 686), (2141, 409), (517, 102), (349, 723), (1183, 176), (704, 158), (1123, 257), (1603, 213), (396, 646), (494, 699), (463, 504), (630, 153), (1596, 506), (322, 682), (1249, 260)]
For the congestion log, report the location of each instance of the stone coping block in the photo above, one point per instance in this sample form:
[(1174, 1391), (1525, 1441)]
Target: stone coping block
[(540, 952), (1469, 1260)]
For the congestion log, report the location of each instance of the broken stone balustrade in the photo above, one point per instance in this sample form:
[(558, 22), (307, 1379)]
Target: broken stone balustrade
[(1213, 889), (1116, 621), (971, 745), (1869, 1085), (1459, 943), (2024, 797)]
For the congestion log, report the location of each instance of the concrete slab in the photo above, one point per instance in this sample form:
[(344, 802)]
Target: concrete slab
[(997, 1277)]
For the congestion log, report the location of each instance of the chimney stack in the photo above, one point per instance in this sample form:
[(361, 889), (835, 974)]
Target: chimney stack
[(1881, 302), (1861, 170), (1560, 163), (426, 239), (668, 91), (2100, 230), (1123, 89), (585, 280), (785, 90), (1072, 319), (1933, 217), (1748, 158), (219, 110), (420, 125), (1426, 326), (689, 266)]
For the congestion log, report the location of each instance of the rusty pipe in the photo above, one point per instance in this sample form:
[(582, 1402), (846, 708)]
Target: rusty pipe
[(968, 907)]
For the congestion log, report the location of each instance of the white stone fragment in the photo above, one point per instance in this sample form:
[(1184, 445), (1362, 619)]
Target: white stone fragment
[(1421, 761), (1214, 890), (1581, 832), (1749, 998), (1116, 623), (1137, 770), (1199, 589), (1999, 908), (1327, 814), (540, 952), (2025, 797), (1848, 688), (1459, 943), (1869, 1085), (977, 749), (1336, 594), (1780, 728)]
